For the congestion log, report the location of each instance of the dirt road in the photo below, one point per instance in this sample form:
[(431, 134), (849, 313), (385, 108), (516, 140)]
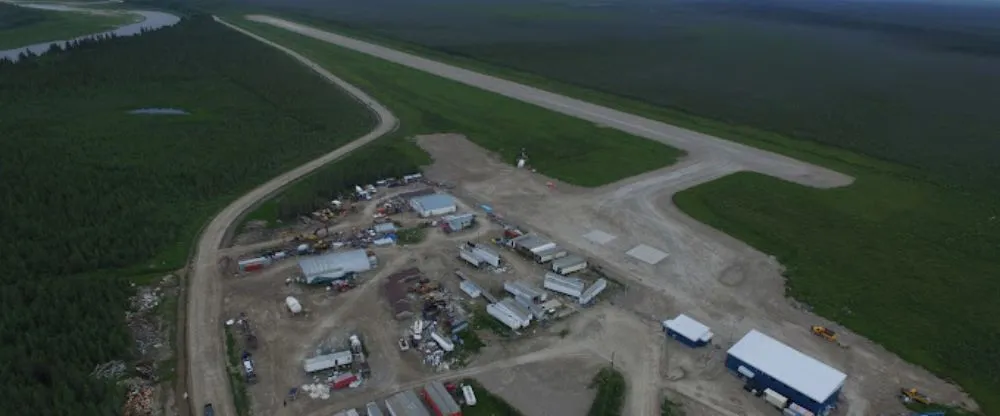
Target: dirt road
[(699, 146), (207, 379)]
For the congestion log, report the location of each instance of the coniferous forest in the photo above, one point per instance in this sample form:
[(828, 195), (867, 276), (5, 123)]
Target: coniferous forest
[(93, 194)]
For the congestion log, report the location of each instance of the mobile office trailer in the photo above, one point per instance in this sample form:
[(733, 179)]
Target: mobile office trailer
[(525, 290), (470, 289), (503, 315), (687, 331), (591, 293), (570, 286), (769, 364)]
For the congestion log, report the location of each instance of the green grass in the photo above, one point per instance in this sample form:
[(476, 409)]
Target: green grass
[(901, 257), (483, 321), (471, 341), (411, 235), (21, 26), (610, 385), (669, 408), (487, 403), (560, 146)]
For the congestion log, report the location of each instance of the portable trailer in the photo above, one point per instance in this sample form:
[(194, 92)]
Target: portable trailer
[(591, 293), (570, 286), (569, 264)]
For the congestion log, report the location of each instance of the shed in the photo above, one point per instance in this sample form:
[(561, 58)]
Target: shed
[(439, 399), (458, 222), (334, 266), (433, 205), (767, 363), (405, 404), (569, 264), (688, 331), (570, 286), (328, 361)]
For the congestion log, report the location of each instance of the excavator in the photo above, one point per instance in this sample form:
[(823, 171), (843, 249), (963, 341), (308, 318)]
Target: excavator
[(914, 395)]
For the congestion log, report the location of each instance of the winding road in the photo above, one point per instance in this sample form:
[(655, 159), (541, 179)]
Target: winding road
[(207, 378)]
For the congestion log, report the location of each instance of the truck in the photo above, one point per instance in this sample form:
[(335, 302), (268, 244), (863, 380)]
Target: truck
[(248, 368)]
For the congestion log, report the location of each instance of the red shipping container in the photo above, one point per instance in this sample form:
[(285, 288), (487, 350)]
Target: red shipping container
[(252, 267), (343, 381)]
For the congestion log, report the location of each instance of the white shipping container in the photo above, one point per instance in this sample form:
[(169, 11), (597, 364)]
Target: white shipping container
[(470, 396), (443, 342), (775, 399)]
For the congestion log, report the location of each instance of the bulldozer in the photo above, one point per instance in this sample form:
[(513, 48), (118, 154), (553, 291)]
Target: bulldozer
[(825, 333), (913, 395)]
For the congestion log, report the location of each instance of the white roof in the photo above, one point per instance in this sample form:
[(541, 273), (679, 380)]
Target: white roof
[(338, 263), (801, 372), (324, 362), (689, 328)]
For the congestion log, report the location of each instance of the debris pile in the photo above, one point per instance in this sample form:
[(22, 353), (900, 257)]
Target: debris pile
[(139, 401), (109, 370), (317, 390)]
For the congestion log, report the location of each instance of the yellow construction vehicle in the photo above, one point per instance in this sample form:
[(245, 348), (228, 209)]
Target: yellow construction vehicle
[(914, 395), (825, 333), (321, 245)]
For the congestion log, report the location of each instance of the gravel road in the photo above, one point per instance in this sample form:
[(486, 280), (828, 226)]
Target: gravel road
[(207, 379)]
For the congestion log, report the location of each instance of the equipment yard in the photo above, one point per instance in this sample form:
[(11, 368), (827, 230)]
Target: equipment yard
[(433, 287)]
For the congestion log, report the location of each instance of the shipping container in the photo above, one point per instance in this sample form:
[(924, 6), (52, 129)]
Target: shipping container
[(343, 381)]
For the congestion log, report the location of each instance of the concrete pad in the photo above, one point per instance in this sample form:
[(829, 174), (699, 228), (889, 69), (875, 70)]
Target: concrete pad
[(647, 254), (599, 237)]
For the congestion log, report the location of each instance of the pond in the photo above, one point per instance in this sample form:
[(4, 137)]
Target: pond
[(151, 20), (160, 111)]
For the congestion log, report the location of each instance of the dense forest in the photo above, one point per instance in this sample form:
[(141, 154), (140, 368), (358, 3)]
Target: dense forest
[(93, 193)]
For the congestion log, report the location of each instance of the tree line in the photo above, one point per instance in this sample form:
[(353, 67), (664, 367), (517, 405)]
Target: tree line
[(93, 193)]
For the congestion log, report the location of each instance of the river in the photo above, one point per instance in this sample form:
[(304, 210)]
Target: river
[(151, 20)]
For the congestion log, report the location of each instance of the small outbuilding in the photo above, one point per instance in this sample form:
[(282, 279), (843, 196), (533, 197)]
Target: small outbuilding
[(687, 331), (458, 222), (569, 264), (767, 364), (334, 266), (433, 205)]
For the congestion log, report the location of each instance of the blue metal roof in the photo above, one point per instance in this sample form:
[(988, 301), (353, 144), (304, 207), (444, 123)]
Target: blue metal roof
[(434, 202)]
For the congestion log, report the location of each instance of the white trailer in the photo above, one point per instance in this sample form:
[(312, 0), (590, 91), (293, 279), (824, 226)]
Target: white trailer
[(470, 257), (570, 286), (503, 316), (569, 264), (470, 395), (470, 289), (525, 290), (444, 343), (594, 290)]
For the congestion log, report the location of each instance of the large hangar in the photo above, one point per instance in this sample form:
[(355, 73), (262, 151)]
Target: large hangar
[(766, 363)]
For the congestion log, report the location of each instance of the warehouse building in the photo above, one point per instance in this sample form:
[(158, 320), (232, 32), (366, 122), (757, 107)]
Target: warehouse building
[(569, 264), (405, 404), (458, 222), (785, 374), (439, 400), (331, 267), (433, 205), (688, 331), (328, 361)]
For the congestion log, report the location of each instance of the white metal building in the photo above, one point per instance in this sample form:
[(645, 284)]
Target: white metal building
[(688, 331), (433, 205), (769, 364), (333, 266)]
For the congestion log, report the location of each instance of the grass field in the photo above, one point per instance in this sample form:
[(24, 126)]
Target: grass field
[(610, 398), (20, 26), (487, 404)]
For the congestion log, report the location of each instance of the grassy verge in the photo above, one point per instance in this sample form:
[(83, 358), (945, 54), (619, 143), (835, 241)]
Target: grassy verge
[(471, 341), (411, 235), (237, 382), (487, 403), (560, 146), (20, 26), (610, 385)]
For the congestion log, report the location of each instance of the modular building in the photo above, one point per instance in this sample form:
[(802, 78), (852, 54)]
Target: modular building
[(470, 289), (569, 264), (458, 222), (531, 244), (331, 267), (688, 331), (591, 293), (328, 361), (768, 364), (439, 400), (405, 404), (550, 254), (518, 312), (478, 256), (570, 286), (433, 205), (503, 315), (525, 290)]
